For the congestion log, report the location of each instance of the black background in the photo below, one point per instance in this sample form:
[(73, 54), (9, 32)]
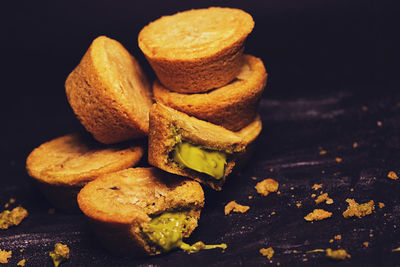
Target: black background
[(325, 59)]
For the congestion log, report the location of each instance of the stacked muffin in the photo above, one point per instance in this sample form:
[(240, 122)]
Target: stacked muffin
[(198, 58), (202, 126)]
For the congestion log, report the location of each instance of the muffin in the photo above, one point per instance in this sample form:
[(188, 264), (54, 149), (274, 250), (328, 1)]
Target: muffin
[(232, 106), (196, 50), (187, 146), (64, 165), (109, 93), (142, 211)]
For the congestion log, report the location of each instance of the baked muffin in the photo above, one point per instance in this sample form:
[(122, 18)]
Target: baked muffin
[(64, 165), (205, 152), (142, 211), (109, 93), (196, 50), (232, 106)]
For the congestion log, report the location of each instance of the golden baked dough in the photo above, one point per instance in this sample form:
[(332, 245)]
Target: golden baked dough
[(169, 127), (232, 106), (110, 93), (63, 165), (120, 204), (196, 50)]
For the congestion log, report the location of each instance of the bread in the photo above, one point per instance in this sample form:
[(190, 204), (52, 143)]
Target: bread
[(109, 93), (170, 128), (64, 165), (196, 50), (121, 205), (232, 106)]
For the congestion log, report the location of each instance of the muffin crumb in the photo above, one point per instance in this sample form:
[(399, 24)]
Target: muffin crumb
[(235, 207), (267, 186), (358, 210), (318, 215), (267, 252)]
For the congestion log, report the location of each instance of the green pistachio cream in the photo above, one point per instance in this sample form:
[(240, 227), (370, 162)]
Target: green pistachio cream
[(199, 159), (166, 231)]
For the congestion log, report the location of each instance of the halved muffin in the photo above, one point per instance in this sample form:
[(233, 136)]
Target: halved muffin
[(232, 106), (109, 93), (197, 50), (64, 165), (142, 211), (205, 152)]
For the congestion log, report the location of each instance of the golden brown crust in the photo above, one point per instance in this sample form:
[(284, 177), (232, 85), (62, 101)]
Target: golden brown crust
[(109, 93), (196, 50), (119, 203), (74, 159), (233, 106), (168, 127)]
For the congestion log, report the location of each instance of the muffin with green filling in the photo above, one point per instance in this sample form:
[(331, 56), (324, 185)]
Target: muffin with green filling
[(187, 146), (143, 211)]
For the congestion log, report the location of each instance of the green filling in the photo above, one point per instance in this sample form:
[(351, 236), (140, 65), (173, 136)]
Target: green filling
[(196, 158), (166, 231)]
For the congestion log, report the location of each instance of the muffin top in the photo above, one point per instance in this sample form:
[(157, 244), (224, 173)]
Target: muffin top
[(195, 33), (74, 159)]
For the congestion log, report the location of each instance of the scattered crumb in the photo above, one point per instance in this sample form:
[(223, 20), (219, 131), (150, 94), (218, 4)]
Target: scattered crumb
[(371, 235), (267, 186), (295, 251), (338, 237), (385, 214), (381, 205), (329, 201), (298, 204), (59, 254), (278, 193), (13, 217), (292, 195), (364, 108), (268, 252), (366, 244), (235, 207), (273, 213), (21, 262), (338, 160), (396, 249), (291, 188), (355, 145), (330, 240), (51, 211), (305, 259), (271, 169), (392, 175), (5, 255), (278, 264), (339, 254), (21, 250), (254, 178), (316, 186), (250, 197), (351, 189), (322, 152), (379, 123), (6, 205), (322, 198), (318, 215), (358, 210), (313, 195), (323, 171)]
